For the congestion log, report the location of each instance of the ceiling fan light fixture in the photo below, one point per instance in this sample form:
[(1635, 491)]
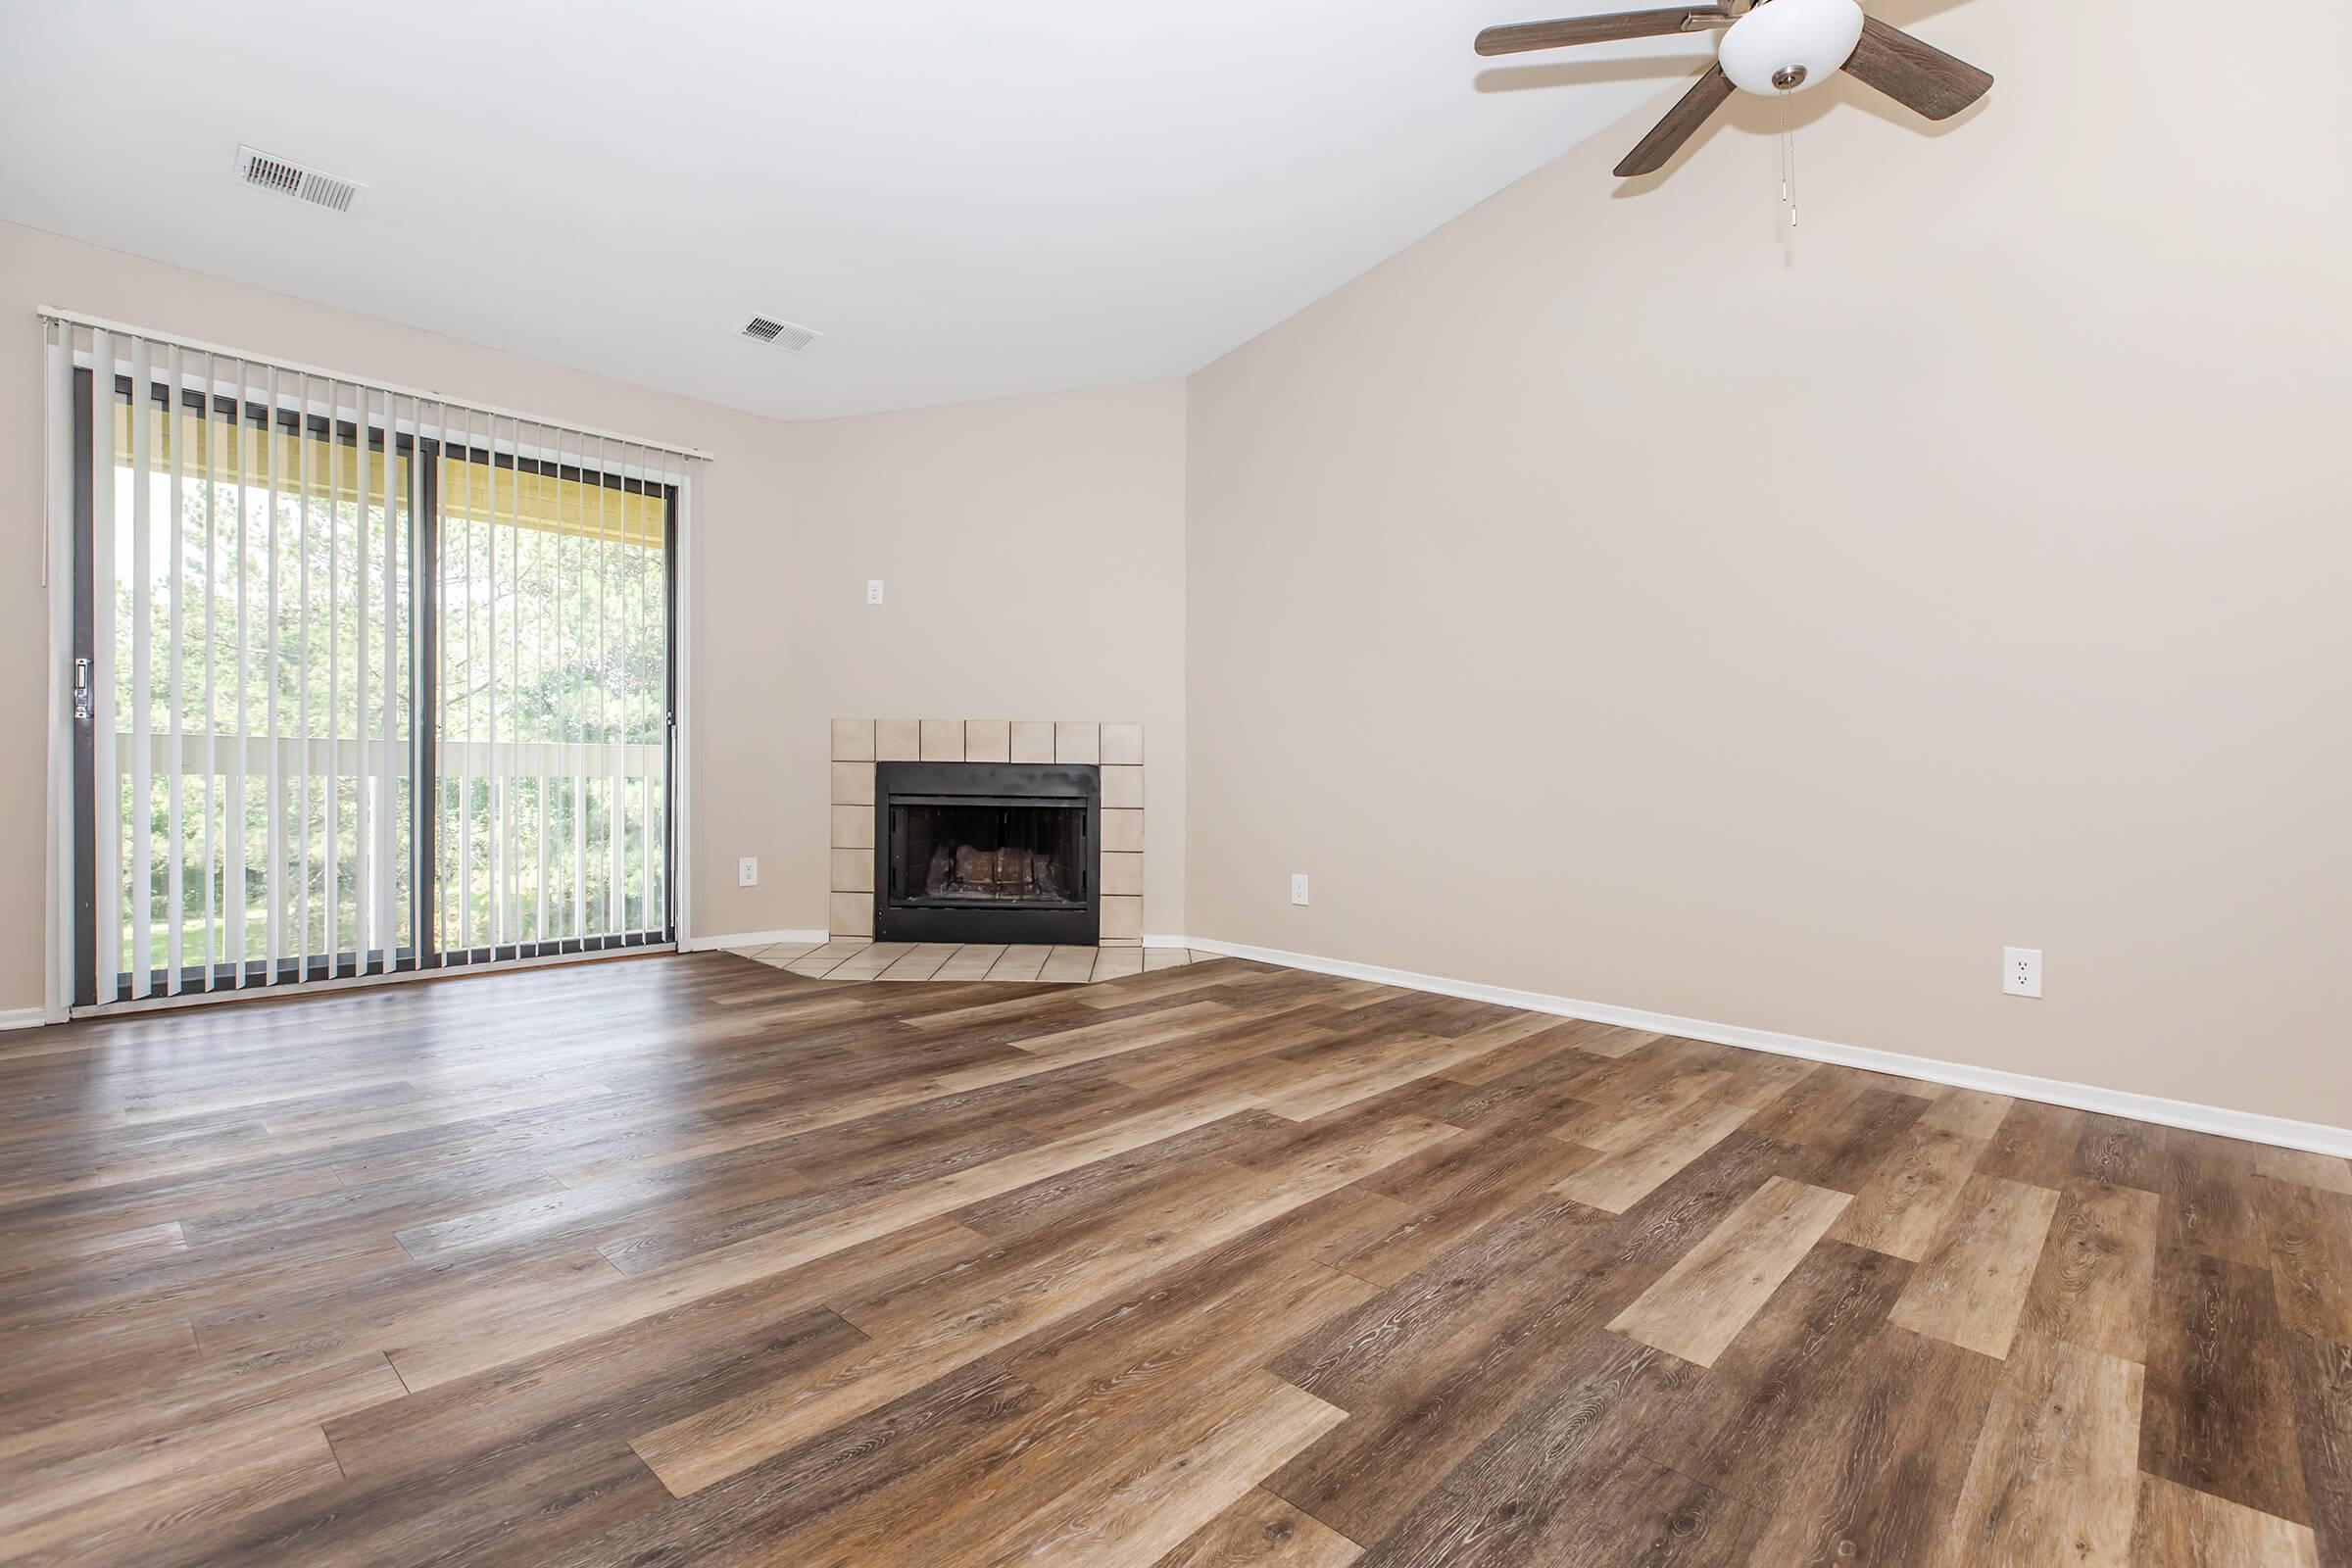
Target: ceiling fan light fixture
[(1771, 48), (1789, 45)]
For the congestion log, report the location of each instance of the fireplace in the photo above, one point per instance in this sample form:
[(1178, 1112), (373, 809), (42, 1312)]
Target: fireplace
[(987, 852)]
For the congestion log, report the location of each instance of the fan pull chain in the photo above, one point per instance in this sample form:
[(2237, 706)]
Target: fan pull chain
[(1788, 163)]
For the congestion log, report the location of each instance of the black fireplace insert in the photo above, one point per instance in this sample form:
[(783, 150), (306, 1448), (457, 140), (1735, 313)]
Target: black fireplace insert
[(987, 852)]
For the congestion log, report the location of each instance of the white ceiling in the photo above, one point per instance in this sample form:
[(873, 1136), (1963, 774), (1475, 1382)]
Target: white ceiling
[(969, 200)]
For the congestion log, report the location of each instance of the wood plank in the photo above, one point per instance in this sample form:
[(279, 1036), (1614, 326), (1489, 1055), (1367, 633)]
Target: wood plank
[(1875, 1476), (877, 1471), (440, 1476), (1643, 1096), (2311, 1257), (220, 1438), (2210, 1200), (1540, 1096), (1782, 1390), (1236, 1306), (2220, 1411), (537, 1309), (74, 1248), (2329, 1173), (1100, 1475), (1619, 1508), (2320, 1372), (1091, 1042), (1548, 1486), (2097, 1267), (1430, 1367), (2055, 1477), (1512, 1046), (1851, 1147), (1407, 1059), (597, 1390), (1085, 1192), (920, 1334), (1899, 1208), (1846, 1118), (99, 1523), (1174, 1480), (2192, 1528), (1971, 1287), (1970, 1112), (1669, 1221), (1254, 987), (2035, 1144), (1262, 1531), (74, 1445), (1699, 1305), (1478, 1182), (835, 1231), (1616, 1182), (1609, 1040), (2121, 1153)]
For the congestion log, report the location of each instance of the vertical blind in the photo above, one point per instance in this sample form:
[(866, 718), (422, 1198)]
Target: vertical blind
[(364, 681)]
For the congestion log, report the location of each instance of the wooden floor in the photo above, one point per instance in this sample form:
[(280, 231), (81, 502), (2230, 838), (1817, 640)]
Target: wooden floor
[(692, 1261)]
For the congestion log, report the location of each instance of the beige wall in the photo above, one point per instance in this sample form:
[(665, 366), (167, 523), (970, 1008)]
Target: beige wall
[(1618, 597), (1076, 501), (1033, 557)]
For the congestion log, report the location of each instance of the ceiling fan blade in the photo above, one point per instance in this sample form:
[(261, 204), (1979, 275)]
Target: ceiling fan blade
[(1682, 122), (1916, 75), (1521, 36)]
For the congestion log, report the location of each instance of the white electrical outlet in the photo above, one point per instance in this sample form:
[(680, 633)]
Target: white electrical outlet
[(873, 590), (2020, 971), (1297, 886), (747, 871)]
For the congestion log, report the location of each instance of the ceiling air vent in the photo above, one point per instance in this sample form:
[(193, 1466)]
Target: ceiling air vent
[(781, 333), (288, 179)]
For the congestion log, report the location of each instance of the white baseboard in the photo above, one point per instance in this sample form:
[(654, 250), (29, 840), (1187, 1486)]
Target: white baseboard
[(2240, 1125), (750, 939), (23, 1017)]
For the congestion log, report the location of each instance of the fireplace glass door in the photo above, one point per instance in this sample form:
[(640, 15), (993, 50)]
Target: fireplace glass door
[(986, 852), (1022, 854)]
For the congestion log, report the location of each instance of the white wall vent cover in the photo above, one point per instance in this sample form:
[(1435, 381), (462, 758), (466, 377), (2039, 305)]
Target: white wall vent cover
[(782, 333), (289, 178)]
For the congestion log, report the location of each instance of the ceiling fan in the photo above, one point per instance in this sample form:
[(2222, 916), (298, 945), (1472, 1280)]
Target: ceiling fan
[(1770, 47)]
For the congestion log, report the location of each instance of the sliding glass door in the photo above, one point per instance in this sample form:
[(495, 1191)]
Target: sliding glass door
[(552, 670), (275, 575)]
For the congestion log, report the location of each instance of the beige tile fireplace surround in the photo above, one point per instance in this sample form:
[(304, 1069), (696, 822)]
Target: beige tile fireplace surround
[(859, 743)]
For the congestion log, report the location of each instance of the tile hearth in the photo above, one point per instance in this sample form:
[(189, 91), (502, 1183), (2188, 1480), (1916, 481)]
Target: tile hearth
[(968, 961)]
